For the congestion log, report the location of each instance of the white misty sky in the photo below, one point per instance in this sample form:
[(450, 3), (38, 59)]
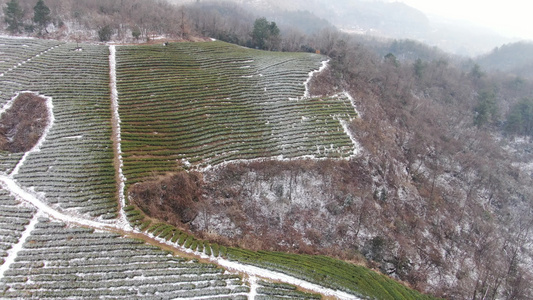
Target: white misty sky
[(510, 17)]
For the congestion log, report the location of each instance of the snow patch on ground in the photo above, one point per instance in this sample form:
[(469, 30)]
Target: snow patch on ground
[(252, 280), (279, 158), (37, 146), (123, 221), (77, 137)]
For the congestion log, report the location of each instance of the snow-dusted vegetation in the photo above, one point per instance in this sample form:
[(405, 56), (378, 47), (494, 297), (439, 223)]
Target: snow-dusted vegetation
[(60, 261), (16, 52), (207, 103), (15, 217), (73, 165), (69, 176), (258, 161)]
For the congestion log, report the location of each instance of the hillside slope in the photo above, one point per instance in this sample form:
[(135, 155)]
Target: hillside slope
[(207, 103), (62, 226)]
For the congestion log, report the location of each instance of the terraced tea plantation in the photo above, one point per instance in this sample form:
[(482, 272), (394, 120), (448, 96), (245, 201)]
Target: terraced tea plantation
[(206, 103), (58, 261), (64, 234), (74, 167)]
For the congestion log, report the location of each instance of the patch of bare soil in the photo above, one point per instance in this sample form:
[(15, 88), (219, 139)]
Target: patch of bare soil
[(174, 198), (24, 123)]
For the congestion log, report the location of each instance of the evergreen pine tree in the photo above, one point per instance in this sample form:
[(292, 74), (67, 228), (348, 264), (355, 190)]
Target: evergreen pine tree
[(41, 15), (265, 35), (13, 15)]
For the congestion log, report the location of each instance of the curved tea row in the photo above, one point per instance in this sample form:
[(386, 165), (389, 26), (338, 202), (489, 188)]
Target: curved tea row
[(207, 103), (74, 167), (58, 261)]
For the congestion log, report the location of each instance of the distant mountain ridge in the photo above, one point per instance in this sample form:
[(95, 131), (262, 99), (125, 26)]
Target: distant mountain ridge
[(515, 58), (364, 15), (386, 19)]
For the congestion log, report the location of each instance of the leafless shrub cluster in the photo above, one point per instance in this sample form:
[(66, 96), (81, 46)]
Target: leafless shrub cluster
[(174, 198)]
